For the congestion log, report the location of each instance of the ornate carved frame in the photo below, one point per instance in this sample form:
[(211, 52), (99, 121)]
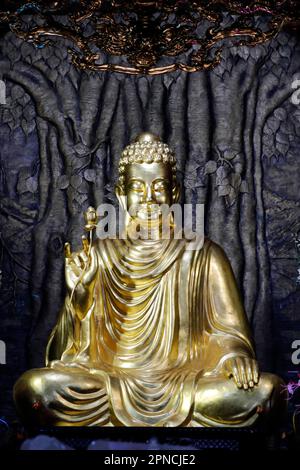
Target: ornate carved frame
[(144, 30)]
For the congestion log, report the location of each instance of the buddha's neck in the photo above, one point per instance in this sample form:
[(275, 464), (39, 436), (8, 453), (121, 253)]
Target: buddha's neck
[(150, 230)]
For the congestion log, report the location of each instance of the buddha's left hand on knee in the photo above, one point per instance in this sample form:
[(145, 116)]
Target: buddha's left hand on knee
[(244, 371)]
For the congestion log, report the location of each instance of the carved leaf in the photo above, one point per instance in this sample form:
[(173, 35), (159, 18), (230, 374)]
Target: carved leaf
[(76, 181), (224, 190), (81, 150), (63, 182), (210, 167), (222, 173), (80, 198), (280, 113), (90, 175), (84, 187)]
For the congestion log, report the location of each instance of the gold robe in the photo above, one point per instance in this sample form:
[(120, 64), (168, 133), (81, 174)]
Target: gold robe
[(150, 350)]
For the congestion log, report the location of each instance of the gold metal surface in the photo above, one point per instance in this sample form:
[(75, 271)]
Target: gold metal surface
[(150, 333)]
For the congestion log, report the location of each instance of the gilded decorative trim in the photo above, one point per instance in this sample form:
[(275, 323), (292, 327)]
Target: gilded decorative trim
[(144, 31)]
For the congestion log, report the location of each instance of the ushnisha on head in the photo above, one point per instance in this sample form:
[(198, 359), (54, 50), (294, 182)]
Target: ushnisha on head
[(147, 148)]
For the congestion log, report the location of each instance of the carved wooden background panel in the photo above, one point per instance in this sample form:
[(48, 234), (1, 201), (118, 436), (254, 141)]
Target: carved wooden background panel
[(236, 134)]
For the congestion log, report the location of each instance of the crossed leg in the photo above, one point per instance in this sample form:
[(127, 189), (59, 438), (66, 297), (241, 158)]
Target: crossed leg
[(218, 401), (71, 396), (62, 397)]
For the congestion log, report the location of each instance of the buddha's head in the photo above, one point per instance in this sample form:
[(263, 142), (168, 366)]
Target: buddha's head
[(147, 177)]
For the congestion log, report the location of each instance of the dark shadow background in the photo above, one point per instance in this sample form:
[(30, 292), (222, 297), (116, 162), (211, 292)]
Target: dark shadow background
[(236, 134)]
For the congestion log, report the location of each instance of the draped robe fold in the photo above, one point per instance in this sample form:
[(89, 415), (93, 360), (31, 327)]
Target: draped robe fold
[(162, 318)]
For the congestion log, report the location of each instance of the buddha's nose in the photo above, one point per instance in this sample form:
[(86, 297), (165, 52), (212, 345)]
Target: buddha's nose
[(148, 193)]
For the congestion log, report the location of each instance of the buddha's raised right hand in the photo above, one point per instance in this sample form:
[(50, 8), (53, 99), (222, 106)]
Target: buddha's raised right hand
[(80, 272)]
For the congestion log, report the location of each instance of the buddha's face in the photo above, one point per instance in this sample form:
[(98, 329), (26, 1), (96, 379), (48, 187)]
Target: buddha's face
[(147, 187)]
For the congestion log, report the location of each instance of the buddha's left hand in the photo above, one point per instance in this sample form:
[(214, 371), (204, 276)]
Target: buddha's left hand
[(244, 371)]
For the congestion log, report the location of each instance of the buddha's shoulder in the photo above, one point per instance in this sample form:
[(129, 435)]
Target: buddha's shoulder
[(212, 248), (216, 253)]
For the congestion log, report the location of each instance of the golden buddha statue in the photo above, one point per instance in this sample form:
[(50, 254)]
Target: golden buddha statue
[(151, 333)]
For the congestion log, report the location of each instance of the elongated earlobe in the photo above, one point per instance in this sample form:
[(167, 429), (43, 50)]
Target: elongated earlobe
[(118, 190), (176, 192), (121, 196)]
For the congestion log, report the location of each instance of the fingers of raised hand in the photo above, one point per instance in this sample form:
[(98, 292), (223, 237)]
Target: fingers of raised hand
[(72, 273), (68, 252), (91, 261), (80, 257), (85, 244), (75, 264), (80, 260), (72, 263)]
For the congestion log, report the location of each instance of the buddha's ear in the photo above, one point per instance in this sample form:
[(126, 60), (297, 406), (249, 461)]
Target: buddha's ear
[(176, 192), (121, 196)]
